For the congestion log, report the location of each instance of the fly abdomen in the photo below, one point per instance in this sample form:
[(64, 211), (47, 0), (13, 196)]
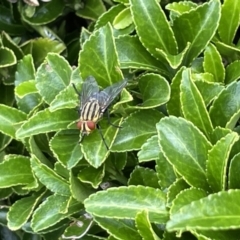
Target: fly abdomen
[(91, 111)]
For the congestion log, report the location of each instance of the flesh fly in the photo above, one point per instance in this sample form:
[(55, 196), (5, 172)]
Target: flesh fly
[(94, 103)]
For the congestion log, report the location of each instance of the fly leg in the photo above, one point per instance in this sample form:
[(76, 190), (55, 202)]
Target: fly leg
[(109, 122), (78, 93), (100, 132)]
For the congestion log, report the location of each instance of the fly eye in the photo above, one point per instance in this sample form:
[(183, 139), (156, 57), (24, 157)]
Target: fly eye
[(91, 125), (79, 125)]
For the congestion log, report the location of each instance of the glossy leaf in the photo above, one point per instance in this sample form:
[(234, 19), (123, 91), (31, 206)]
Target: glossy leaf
[(197, 28), (174, 104), (109, 16), (53, 210), (144, 226), (185, 197), (100, 153), (229, 21), (26, 88), (225, 109), (15, 170), (144, 176), (208, 213), (133, 55), (49, 178), (125, 202), (149, 150), (218, 162), (92, 9), (66, 148), (45, 13), (21, 210), (123, 19), (104, 65), (136, 129), (46, 121), (186, 148), (193, 106), (155, 90), (209, 91), (234, 177), (165, 171), (232, 72), (213, 63), (92, 176), (7, 57), (119, 228), (152, 27), (52, 77), (10, 119)]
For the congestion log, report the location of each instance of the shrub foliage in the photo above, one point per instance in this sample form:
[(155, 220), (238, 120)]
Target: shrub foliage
[(173, 168)]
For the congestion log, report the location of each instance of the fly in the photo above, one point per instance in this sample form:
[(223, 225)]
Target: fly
[(94, 103)]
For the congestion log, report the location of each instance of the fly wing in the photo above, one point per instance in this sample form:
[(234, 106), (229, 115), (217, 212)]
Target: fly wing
[(89, 88), (107, 95)]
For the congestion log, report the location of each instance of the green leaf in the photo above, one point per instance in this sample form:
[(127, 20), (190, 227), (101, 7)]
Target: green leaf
[(109, 16), (193, 106), (123, 19), (144, 226), (53, 76), (225, 110), (119, 228), (10, 44), (144, 176), (65, 146), (25, 88), (197, 28), (92, 9), (234, 177), (232, 72), (49, 178), (178, 186), (149, 150), (155, 90), (178, 8), (213, 63), (197, 215), (152, 27), (4, 141), (132, 54), (53, 210), (15, 170), (26, 72), (186, 197), (46, 121), (186, 148), (209, 91), (218, 162), (21, 210), (92, 175), (78, 228), (80, 191), (45, 13), (99, 155), (174, 104), (104, 65), (229, 21), (126, 202), (8, 23), (7, 57), (10, 118), (136, 129), (165, 171)]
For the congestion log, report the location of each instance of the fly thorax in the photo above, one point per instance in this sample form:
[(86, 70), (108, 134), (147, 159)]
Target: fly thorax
[(91, 111)]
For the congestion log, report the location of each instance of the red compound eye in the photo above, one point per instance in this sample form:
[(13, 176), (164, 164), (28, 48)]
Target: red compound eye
[(91, 125), (79, 125)]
